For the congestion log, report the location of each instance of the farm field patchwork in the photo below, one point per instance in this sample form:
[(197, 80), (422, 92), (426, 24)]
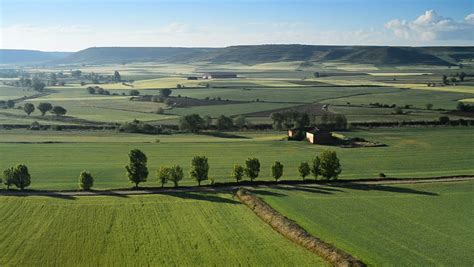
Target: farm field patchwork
[(416, 152), (167, 229), (419, 224)]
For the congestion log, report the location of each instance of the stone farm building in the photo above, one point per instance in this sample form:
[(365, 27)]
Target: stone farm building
[(219, 75), (312, 135)]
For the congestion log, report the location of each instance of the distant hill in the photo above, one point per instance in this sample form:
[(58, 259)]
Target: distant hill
[(251, 54), (16, 56)]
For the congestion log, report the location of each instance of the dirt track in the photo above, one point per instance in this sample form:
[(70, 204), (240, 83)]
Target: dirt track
[(230, 188)]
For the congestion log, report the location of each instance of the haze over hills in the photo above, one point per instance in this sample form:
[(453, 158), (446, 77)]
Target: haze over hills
[(247, 54)]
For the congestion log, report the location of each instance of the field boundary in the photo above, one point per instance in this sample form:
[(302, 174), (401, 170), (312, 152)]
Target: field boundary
[(293, 231)]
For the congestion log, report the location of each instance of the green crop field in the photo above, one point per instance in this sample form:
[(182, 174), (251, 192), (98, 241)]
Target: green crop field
[(393, 225), (417, 152), (178, 229)]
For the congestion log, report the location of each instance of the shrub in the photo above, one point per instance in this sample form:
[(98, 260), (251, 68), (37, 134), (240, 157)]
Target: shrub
[(86, 181), (382, 175)]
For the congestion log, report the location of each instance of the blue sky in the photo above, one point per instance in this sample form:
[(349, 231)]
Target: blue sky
[(55, 25)]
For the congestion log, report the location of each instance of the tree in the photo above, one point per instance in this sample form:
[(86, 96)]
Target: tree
[(192, 123), (29, 108), (10, 103), (443, 120), (252, 168), (137, 171), (237, 172), (453, 80), (316, 167), (330, 165), (398, 110), (277, 119), (59, 111), (304, 169), (117, 77), (38, 85), (340, 122), (277, 170), (86, 181), (199, 169), (134, 92), (165, 93), (207, 121), (445, 80), (76, 74), (224, 123), (44, 107), (462, 76), (429, 106), (240, 122), (176, 174), (9, 177), (163, 174), (53, 79), (91, 90), (21, 176)]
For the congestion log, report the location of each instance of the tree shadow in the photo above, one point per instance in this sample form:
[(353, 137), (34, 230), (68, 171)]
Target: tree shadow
[(31, 193), (383, 188), (224, 135), (107, 193), (308, 189), (266, 193), (207, 196)]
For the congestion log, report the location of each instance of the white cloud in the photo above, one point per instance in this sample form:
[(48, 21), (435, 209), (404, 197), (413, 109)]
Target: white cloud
[(431, 27)]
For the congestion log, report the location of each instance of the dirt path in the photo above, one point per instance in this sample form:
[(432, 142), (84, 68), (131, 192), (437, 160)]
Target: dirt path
[(230, 188)]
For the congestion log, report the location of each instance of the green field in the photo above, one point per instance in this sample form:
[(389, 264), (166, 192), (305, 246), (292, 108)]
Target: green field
[(390, 225), (173, 229), (416, 152)]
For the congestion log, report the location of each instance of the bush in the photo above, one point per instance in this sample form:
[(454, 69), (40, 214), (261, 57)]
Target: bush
[(86, 181), (444, 120), (382, 175)]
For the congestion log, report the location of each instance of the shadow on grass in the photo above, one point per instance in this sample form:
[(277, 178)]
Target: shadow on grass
[(32, 193), (208, 196), (309, 189), (224, 135), (383, 188)]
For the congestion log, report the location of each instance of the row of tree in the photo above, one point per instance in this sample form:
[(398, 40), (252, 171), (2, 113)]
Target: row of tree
[(44, 108), (195, 123), (298, 120), (327, 165)]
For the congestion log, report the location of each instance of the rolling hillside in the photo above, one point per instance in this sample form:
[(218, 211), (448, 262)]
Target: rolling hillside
[(16, 56), (249, 54)]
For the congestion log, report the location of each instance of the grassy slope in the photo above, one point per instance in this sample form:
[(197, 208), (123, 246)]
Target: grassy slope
[(428, 224), (181, 229), (410, 153)]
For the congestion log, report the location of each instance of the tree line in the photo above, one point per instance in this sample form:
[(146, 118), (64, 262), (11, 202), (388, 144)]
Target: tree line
[(326, 165), (298, 120)]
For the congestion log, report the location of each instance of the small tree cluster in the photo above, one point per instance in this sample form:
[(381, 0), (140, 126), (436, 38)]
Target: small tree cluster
[(18, 176), (173, 174), (288, 120), (326, 165)]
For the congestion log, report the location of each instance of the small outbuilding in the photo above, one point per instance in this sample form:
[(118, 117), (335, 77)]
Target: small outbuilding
[(219, 75), (317, 136)]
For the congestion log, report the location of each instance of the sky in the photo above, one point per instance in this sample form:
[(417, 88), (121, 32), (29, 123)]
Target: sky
[(65, 25)]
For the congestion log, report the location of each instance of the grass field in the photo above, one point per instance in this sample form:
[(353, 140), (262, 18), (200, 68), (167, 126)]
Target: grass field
[(390, 225), (179, 229), (417, 152)]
